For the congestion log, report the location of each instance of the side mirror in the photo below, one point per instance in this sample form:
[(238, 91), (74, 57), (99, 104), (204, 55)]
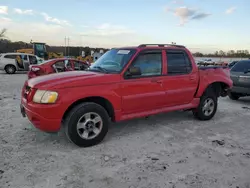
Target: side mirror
[(133, 71)]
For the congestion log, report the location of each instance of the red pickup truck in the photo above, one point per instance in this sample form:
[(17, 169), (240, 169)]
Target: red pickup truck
[(122, 84)]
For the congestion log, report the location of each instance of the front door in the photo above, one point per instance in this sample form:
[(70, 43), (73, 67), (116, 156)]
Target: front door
[(181, 81), (145, 92)]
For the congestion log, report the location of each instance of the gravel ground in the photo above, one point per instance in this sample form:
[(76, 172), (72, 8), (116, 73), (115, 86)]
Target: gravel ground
[(168, 150)]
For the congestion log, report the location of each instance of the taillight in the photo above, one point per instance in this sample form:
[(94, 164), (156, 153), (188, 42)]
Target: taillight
[(35, 69)]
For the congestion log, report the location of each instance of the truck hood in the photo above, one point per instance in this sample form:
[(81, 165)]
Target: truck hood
[(72, 79)]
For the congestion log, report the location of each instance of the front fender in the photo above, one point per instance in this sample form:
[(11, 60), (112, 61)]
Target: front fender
[(69, 96)]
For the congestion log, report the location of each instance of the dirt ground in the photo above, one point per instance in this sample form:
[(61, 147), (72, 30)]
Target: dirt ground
[(168, 150)]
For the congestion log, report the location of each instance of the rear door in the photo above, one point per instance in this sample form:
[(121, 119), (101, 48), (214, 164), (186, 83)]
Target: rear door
[(181, 80), (145, 92), (240, 74)]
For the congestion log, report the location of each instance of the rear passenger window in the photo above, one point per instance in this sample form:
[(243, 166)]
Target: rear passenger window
[(178, 63)]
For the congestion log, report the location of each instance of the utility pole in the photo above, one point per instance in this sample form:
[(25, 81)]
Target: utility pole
[(65, 46), (66, 40), (68, 47)]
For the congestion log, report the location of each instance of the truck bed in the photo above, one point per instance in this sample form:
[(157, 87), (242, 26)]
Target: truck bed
[(211, 67)]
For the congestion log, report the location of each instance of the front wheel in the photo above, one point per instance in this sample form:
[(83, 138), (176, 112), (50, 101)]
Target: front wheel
[(87, 124), (207, 107)]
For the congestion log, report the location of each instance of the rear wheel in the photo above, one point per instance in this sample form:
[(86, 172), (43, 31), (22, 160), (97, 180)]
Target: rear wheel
[(10, 69), (207, 107), (233, 96), (87, 124)]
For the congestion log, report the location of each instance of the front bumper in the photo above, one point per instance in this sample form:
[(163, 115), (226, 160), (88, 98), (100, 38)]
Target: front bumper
[(240, 90), (40, 116)]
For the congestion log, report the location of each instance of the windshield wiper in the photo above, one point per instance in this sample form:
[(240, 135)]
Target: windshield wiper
[(100, 68)]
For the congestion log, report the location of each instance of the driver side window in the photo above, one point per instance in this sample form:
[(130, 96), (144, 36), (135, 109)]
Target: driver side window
[(149, 63)]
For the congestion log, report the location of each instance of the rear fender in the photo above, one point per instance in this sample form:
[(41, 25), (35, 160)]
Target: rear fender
[(209, 79)]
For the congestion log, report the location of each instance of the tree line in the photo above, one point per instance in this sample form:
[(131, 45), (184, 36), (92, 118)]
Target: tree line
[(230, 53), (9, 46)]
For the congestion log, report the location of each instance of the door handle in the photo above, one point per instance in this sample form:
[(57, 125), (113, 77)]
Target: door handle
[(156, 81), (192, 77)]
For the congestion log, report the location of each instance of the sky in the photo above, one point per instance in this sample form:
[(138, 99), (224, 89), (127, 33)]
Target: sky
[(200, 25)]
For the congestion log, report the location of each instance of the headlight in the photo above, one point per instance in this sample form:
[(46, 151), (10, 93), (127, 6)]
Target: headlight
[(46, 97)]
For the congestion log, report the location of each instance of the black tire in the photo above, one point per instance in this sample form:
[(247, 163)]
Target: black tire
[(75, 115), (199, 113), (233, 96), (10, 69)]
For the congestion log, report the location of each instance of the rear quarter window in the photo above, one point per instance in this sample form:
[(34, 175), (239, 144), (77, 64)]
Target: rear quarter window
[(241, 66), (10, 56)]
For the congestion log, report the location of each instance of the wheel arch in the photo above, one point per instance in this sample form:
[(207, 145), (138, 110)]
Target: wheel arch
[(219, 88), (105, 103), (9, 64)]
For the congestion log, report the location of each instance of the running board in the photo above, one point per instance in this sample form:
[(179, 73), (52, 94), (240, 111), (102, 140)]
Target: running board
[(193, 104)]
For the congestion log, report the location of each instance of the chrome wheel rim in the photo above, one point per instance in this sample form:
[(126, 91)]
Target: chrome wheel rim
[(89, 126), (10, 69), (208, 107)]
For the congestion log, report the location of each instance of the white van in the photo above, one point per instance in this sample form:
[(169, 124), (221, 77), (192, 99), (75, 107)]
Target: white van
[(9, 63)]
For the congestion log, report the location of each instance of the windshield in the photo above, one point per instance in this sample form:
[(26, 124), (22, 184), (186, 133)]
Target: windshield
[(40, 47), (241, 66), (40, 50), (113, 61)]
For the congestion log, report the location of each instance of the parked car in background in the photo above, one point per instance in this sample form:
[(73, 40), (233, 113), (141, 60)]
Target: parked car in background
[(230, 65), (240, 74), (124, 83), (56, 66), (12, 62)]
